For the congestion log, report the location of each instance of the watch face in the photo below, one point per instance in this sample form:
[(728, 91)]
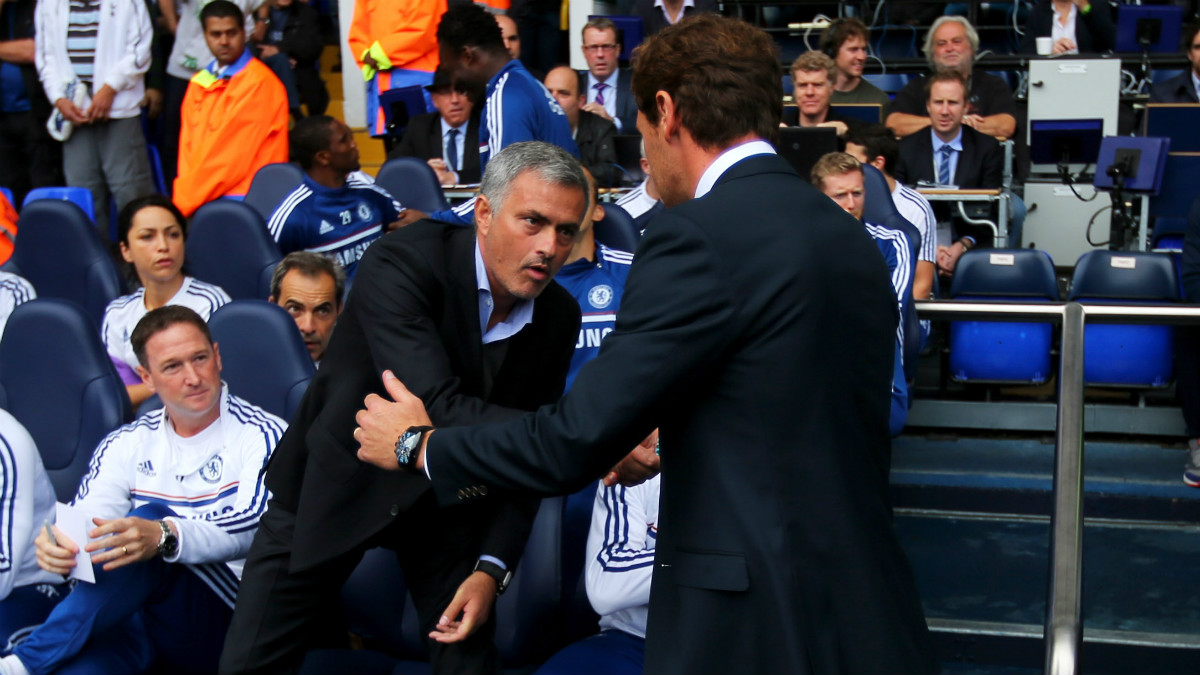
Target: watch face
[(408, 443)]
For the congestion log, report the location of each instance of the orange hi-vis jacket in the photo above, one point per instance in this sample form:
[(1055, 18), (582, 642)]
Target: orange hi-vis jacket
[(231, 127), (399, 35)]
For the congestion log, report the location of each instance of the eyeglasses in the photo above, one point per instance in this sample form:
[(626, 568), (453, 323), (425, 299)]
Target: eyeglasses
[(600, 48)]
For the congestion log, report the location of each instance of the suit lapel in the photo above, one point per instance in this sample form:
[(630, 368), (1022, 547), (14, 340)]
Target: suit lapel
[(462, 316)]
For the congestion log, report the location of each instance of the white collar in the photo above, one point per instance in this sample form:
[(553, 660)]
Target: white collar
[(732, 155)]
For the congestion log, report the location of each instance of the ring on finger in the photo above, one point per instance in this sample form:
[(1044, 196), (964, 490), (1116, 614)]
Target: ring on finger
[(125, 550)]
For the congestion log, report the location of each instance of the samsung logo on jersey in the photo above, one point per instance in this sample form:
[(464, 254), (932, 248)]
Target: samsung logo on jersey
[(591, 337), (352, 255)]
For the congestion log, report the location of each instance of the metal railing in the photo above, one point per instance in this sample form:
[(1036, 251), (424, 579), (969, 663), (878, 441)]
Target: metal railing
[(1064, 630)]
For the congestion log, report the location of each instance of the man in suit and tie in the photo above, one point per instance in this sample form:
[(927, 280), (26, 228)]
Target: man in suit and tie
[(593, 134), (775, 551), (1184, 87), (951, 153), (470, 319), (606, 84), (449, 138)]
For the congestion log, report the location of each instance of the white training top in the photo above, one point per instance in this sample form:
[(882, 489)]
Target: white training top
[(26, 502), (14, 290), (123, 314), (620, 555)]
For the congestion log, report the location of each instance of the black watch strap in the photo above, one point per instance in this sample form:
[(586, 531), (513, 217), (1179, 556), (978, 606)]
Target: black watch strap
[(501, 575)]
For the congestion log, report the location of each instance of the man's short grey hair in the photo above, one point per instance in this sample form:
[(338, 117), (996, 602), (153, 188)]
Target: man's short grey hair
[(551, 163), (310, 265), (972, 37)]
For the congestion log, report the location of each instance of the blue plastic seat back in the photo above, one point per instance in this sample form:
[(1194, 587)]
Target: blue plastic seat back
[(263, 358), (156, 169), (888, 82), (81, 197), (58, 381), (271, 184), (413, 183), (1126, 355), (987, 351), (228, 245), (616, 229), (60, 252)]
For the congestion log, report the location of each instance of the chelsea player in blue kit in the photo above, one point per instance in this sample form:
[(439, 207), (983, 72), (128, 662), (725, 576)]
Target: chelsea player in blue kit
[(331, 212)]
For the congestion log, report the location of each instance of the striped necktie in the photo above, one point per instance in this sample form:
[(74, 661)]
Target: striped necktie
[(600, 87), (944, 177)]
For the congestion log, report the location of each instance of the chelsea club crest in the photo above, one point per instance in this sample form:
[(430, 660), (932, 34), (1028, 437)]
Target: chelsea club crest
[(364, 211), (211, 471), (600, 296)]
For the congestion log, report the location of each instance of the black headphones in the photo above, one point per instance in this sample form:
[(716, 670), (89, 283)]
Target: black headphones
[(827, 46)]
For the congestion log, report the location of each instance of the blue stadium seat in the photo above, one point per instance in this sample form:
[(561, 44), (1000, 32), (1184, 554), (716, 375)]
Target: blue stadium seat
[(413, 183), (879, 208), (1120, 355), (7, 195), (58, 381), (156, 169), (263, 358), (270, 185), (616, 229), (228, 245), (81, 197), (60, 252), (985, 351)]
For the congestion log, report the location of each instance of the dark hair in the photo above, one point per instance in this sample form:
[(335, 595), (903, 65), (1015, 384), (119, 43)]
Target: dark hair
[(839, 31), (878, 141), (723, 75), (158, 320), (470, 25), (1188, 34), (311, 265), (310, 136), (945, 76), (125, 217), (222, 9)]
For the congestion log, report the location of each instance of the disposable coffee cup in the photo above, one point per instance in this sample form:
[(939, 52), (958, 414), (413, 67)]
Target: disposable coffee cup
[(1045, 45)]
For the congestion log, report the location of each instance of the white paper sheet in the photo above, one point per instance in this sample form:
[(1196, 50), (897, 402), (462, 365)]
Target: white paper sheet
[(76, 524)]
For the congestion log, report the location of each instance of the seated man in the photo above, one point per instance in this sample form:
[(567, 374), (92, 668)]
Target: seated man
[(1184, 87), (840, 177), (605, 86), (951, 45), (875, 145), (449, 138), (643, 202), (813, 74), (331, 212), (965, 158), (310, 287), (845, 41), (234, 116), (176, 498), (592, 133)]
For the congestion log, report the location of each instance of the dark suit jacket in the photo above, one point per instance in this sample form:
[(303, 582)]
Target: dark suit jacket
[(626, 106), (771, 391), (1178, 89), (413, 309), (653, 19), (423, 139), (1095, 31), (980, 165), (597, 149)]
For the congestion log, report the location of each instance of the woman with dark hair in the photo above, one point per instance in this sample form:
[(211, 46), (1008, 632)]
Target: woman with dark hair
[(151, 233)]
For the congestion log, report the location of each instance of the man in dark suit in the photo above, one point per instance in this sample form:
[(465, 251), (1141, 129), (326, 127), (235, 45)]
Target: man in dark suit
[(951, 153), (593, 134), (472, 321), (657, 16), (606, 85), (775, 551), (1091, 23), (1184, 87), (449, 138)]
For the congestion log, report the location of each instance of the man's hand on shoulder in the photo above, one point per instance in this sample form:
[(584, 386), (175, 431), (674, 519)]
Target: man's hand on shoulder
[(597, 109), (470, 608), (381, 422), (123, 541)]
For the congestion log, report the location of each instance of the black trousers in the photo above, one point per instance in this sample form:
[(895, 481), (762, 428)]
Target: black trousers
[(278, 613), (30, 157)]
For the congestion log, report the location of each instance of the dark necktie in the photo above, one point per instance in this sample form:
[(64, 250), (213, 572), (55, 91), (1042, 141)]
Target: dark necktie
[(944, 165), (600, 87), (452, 150)]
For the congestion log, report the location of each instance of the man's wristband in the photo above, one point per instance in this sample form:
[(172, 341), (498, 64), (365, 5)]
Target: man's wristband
[(501, 575)]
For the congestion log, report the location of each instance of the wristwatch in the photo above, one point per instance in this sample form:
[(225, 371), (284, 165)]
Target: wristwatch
[(168, 544), (501, 575), (408, 445)]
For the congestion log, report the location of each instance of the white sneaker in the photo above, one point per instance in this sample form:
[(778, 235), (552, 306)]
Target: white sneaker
[(1191, 472)]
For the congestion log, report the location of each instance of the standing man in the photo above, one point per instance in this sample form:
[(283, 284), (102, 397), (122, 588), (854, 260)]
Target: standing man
[(845, 41), (593, 133), (33, 159), (332, 212), (605, 83), (310, 287), (771, 392), (470, 318), (92, 58), (952, 44), (395, 45), (508, 33), (235, 116), (1184, 87)]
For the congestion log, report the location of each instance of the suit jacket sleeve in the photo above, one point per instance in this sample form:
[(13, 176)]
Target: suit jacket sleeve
[(993, 166), (415, 142), (614, 401)]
